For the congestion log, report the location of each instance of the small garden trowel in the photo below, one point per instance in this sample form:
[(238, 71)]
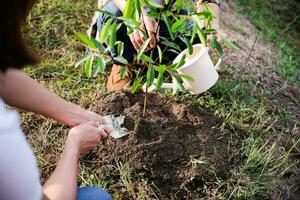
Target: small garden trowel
[(116, 124)]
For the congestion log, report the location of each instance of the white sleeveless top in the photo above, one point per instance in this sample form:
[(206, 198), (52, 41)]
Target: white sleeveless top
[(19, 176)]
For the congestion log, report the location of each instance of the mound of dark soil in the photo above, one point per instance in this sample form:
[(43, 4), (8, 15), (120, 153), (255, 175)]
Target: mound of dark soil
[(176, 145)]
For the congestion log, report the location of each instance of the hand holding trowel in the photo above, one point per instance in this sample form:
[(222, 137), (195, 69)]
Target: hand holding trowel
[(115, 123)]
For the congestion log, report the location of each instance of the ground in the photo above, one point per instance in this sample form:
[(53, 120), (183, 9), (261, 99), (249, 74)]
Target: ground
[(257, 99)]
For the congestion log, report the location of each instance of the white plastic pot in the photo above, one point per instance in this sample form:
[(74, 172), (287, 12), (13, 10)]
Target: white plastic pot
[(200, 67)]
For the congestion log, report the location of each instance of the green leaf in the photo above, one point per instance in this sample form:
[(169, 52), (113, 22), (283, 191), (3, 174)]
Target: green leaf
[(179, 4), (99, 67), (84, 58), (177, 85), (85, 39), (105, 12), (90, 42), (113, 35), (146, 58), (189, 45), (171, 44), (121, 59), (181, 62), (215, 44), (136, 85), (123, 72), (150, 76), (129, 9), (159, 81), (186, 77), (202, 36), (105, 31), (101, 64), (203, 15), (143, 48), (229, 44), (169, 25), (160, 56), (89, 66), (161, 70), (179, 25), (120, 48), (130, 22), (155, 4)]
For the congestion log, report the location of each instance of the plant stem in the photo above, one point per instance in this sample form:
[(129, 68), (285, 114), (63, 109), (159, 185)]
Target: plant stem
[(145, 101), (151, 55)]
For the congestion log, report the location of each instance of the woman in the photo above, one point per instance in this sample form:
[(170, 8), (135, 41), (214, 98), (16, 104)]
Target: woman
[(19, 177)]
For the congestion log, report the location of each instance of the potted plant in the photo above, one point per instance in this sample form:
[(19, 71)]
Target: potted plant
[(157, 74)]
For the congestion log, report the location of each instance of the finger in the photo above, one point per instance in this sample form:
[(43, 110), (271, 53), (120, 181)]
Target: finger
[(102, 120), (135, 44), (138, 39), (103, 134), (152, 40), (108, 129), (93, 123), (142, 37)]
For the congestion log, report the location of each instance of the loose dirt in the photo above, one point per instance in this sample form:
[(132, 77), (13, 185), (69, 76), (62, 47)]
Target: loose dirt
[(178, 146)]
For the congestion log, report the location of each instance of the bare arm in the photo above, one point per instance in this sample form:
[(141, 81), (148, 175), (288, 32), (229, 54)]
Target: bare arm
[(62, 185), (19, 90)]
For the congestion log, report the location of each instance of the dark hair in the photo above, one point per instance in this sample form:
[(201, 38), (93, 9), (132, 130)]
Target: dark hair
[(13, 50)]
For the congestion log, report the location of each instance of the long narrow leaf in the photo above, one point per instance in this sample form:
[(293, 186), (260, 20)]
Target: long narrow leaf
[(229, 44), (90, 42), (155, 4), (160, 56), (123, 72), (171, 44), (136, 85), (178, 24), (188, 45), (120, 48), (130, 22), (101, 64), (113, 35), (150, 76), (201, 35), (143, 48), (160, 79), (105, 31), (88, 67), (146, 58), (84, 58), (169, 25), (179, 4), (186, 77), (121, 59), (177, 85), (181, 62), (129, 9), (215, 44)]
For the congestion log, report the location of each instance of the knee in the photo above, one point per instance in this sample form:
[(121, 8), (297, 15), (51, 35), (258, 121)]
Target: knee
[(92, 193)]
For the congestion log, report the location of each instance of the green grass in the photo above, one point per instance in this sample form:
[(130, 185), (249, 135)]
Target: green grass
[(279, 22), (254, 125)]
